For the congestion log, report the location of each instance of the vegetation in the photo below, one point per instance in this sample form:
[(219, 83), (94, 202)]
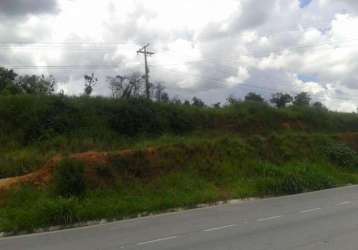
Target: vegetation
[(69, 179), (302, 99), (281, 100), (254, 97), (158, 154), (180, 175)]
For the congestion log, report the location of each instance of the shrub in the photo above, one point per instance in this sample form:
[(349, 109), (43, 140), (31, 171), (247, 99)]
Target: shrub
[(69, 178), (342, 155), (292, 179)]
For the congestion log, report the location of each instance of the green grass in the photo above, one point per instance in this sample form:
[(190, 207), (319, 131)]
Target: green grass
[(185, 173), (200, 155), (37, 127), (30, 208), (21, 161)]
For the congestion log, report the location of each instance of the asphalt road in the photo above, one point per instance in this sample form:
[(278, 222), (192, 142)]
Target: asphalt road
[(319, 220)]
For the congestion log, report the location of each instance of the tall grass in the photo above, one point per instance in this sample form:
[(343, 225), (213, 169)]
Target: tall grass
[(198, 155), (26, 120), (182, 174)]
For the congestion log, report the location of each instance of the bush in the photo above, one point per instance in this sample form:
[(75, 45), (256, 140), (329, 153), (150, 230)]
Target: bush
[(69, 178), (292, 179), (27, 119), (342, 155)]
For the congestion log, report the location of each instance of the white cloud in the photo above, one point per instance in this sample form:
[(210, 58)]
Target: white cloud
[(202, 47), (242, 76)]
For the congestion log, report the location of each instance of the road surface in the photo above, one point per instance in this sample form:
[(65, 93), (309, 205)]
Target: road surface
[(319, 220)]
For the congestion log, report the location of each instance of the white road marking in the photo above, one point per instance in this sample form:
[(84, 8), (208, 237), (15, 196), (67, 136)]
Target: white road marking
[(344, 203), (156, 240), (269, 218), (310, 210), (219, 228)]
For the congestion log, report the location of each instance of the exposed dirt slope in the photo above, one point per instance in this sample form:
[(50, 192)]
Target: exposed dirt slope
[(92, 160), (43, 175)]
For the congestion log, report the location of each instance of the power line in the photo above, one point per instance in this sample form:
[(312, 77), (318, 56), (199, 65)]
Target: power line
[(66, 43), (272, 90), (103, 45), (113, 67), (250, 86)]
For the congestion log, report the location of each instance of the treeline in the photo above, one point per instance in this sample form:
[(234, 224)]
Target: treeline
[(26, 119), (31, 112), (133, 86), (12, 84)]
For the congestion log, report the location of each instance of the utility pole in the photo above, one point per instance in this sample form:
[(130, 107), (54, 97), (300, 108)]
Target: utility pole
[(146, 53)]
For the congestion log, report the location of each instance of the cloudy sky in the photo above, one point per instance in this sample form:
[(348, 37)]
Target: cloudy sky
[(210, 49)]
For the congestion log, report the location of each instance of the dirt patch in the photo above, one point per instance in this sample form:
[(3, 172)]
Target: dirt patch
[(97, 167), (38, 178), (44, 175)]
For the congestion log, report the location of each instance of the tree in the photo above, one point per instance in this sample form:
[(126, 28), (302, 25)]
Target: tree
[(165, 97), (319, 106), (232, 100), (302, 99), (116, 85), (7, 82), (176, 100), (36, 85), (136, 83), (90, 82), (125, 87), (281, 100), (217, 105), (197, 102), (253, 97), (159, 91)]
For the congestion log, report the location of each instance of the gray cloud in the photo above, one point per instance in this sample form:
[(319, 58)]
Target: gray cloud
[(252, 14), (14, 8)]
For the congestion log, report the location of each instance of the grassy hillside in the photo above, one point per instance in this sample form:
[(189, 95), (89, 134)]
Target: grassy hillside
[(150, 179), (34, 128), (149, 157)]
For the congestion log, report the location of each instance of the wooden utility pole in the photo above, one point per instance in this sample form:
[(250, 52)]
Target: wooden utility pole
[(146, 53)]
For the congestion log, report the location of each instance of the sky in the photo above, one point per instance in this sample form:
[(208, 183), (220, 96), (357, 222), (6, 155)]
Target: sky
[(209, 49)]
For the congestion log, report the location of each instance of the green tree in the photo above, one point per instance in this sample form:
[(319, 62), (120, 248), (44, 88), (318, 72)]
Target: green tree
[(164, 97), (198, 102), (127, 86), (176, 100), (90, 82), (319, 106), (254, 97), (159, 92), (233, 100), (36, 85), (280, 100), (302, 99), (7, 82)]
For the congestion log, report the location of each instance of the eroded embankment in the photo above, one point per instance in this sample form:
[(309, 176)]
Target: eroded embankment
[(156, 161)]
